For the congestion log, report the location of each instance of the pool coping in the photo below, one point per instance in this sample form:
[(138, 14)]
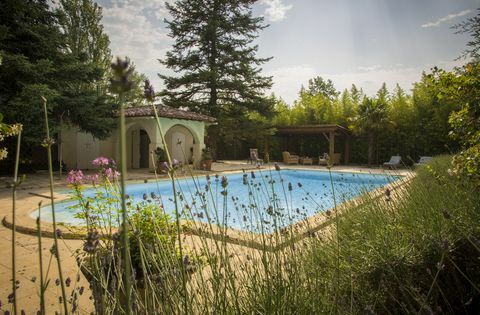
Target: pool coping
[(273, 241)]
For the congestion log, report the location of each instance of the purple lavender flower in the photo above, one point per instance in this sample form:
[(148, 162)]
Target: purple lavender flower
[(165, 166), (92, 241), (224, 182), (175, 163), (121, 83), (148, 91), (75, 177), (111, 174), (92, 178), (101, 161)]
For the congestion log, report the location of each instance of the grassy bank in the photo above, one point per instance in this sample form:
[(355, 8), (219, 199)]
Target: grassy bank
[(417, 253)]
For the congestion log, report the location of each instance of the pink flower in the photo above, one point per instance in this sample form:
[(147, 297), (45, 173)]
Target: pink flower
[(92, 179), (75, 177), (111, 173), (101, 161), (165, 166)]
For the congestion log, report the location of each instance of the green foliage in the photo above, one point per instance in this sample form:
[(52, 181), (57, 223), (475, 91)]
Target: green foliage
[(80, 21), (160, 154), (465, 123), (151, 226), (371, 119), (318, 85), (7, 131), (207, 154), (472, 27), (37, 60), (391, 123)]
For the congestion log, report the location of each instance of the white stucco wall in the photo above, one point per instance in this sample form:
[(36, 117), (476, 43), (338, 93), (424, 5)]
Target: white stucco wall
[(78, 149)]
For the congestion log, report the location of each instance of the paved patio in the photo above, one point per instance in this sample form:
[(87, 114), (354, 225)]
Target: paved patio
[(34, 190)]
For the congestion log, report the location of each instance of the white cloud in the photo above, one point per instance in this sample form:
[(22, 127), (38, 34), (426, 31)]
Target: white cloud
[(446, 18), (134, 35), (287, 81), (276, 10), (369, 68)]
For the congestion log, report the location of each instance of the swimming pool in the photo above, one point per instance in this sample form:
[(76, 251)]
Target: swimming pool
[(259, 201)]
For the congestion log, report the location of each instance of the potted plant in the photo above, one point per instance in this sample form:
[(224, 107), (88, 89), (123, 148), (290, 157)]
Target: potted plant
[(161, 157), (207, 159)]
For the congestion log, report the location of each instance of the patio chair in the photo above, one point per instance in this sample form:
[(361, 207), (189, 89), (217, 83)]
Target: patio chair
[(254, 157), (423, 160), (289, 158), (323, 160), (326, 160), (394, 162)]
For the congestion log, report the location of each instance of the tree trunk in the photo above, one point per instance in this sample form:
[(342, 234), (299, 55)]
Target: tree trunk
[(370, 148)]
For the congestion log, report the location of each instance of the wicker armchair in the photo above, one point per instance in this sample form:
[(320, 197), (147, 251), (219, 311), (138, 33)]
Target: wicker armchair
[(289, 158)]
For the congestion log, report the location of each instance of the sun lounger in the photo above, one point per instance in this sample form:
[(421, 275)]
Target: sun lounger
[(394, 162), (423, 160)]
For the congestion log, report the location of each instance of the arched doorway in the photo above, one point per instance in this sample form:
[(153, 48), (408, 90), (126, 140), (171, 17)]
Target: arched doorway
[(144, 146), (138, 147), (180, 143)]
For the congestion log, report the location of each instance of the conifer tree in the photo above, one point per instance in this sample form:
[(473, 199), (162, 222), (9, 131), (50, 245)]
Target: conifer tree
[(218, 72)]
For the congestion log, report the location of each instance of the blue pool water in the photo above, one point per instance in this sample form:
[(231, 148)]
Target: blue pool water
[(271, 200)]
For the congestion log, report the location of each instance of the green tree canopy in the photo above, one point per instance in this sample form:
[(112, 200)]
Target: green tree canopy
[(37, 61), (213, 55), (318, 86), (370, 119)]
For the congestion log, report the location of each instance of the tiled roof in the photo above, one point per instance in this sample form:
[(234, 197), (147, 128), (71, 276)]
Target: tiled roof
[(167, 112)]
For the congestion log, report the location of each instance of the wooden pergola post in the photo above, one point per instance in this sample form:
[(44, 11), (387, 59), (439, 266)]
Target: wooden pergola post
[(346, 152), (331, 144)]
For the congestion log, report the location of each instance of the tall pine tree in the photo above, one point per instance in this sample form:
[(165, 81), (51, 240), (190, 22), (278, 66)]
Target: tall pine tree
[(213, 55)]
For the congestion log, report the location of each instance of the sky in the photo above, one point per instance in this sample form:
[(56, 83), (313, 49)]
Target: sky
[(365, 42)]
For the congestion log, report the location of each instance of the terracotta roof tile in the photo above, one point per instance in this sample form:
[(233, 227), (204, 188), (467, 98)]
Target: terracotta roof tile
[(167, 112)]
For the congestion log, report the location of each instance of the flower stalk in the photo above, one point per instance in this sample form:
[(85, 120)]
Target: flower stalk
[(40, 259), (149, 94), (120, 83), (16, 182), (48, 145)]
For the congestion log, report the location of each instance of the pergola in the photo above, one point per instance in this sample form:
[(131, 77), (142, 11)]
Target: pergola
[(329, 131)]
